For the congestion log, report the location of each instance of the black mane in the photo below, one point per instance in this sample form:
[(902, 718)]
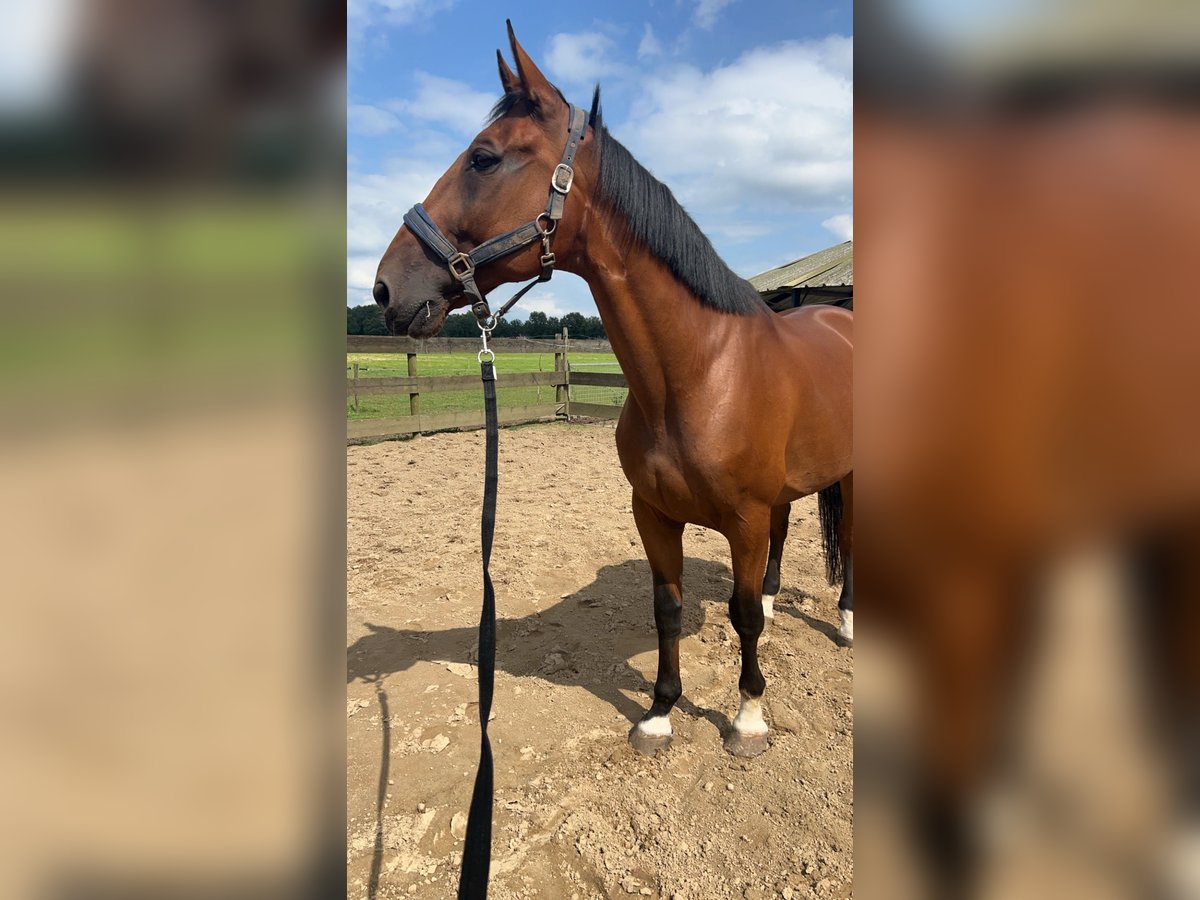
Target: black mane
[(662, 226), (657, 222)]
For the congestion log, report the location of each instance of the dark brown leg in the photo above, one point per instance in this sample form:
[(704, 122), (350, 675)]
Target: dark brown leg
[(770, 585), (748, 544), (663, 542)]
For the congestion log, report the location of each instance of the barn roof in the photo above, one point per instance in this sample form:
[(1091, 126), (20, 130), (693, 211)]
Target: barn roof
[(831, 267)]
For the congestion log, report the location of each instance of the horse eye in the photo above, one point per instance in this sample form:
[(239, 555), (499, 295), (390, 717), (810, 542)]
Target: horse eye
[(482, 161)]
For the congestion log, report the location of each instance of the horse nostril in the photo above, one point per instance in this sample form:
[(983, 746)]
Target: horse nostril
[(380, 293)]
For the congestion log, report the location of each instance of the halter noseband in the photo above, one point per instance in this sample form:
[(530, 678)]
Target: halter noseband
[(462, 265)]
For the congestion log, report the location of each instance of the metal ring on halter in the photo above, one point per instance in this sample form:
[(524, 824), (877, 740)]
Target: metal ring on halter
[(546, 232), (491, 355), (487, 325)]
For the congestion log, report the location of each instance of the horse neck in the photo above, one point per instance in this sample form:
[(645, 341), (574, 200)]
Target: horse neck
[(662, 335)]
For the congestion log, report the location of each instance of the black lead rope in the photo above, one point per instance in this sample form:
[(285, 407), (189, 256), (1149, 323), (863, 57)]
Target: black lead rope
[(477, 850)]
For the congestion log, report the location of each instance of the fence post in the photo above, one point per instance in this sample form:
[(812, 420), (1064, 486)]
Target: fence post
[(567, 368), (560, 366), (355, 383), (414, 396)]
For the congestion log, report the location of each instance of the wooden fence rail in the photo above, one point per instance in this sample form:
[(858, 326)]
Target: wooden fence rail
[(415, 385), (433, 383), (364, 343), (599, 379)]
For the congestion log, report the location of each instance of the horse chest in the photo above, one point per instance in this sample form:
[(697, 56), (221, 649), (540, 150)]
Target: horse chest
[(671, 472)]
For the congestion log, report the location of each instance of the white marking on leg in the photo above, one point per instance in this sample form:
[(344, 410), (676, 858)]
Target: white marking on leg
[(749, 719), (659, 726), (846, 630), (769, 605)]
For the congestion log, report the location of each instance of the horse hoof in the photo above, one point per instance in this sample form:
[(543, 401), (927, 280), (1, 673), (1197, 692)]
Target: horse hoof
[(738, 743), (768, 622), (845, 633), (648, 744)]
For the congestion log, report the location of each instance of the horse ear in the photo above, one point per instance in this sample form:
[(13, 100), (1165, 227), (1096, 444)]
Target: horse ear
[(595, 115), (533, 83), (508, 80)]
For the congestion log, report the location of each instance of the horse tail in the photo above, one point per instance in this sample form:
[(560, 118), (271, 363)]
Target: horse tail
[(830, 509)]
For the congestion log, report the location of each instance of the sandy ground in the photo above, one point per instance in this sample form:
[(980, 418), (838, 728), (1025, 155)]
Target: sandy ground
[(579, 814)]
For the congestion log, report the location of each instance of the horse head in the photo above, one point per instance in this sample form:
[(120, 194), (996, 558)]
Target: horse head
[(498, 184)]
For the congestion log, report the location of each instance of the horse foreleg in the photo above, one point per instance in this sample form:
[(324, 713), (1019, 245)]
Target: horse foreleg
[(748, 544), (770, 585), (662, 539)]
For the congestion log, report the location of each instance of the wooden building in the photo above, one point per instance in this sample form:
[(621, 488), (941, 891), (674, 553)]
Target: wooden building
[(826, 276)]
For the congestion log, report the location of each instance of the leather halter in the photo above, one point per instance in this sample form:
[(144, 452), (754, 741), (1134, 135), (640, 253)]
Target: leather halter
[(462, 265)]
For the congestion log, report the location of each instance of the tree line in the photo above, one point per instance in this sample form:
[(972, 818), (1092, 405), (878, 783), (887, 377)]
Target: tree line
[(369, 320)]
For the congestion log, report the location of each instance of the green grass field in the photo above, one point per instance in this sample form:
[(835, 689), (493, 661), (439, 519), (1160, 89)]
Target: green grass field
[(394, 365)]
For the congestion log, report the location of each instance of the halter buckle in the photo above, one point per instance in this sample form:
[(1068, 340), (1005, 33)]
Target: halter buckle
[(465, 268), (483, 314), (562, 179)]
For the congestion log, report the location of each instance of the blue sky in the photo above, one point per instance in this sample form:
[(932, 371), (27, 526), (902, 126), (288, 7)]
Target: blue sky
[(742, 107)]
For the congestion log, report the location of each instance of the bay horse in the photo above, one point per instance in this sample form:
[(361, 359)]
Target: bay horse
[(733, 411)]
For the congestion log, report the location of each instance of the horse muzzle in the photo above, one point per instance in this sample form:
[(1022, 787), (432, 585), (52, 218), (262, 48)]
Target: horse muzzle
[(418, 311)]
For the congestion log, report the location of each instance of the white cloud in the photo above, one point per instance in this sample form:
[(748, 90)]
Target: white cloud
[(449, 102), (773, 128), (360, 278), (735, 232), (580, 58), (707, 12), (363, 16), (566, 293), (649, 45), (546, 302), (376, 203), (360, 272), (841, 225), (370, 121)]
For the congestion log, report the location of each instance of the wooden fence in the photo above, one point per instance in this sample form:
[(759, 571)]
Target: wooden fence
[(595, 379), (365, 343), (415, 385)]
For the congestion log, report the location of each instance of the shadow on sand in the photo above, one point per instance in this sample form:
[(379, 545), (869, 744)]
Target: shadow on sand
[(586, 639)]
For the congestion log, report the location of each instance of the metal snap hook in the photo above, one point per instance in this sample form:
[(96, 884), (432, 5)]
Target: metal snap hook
[(485, 331)]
